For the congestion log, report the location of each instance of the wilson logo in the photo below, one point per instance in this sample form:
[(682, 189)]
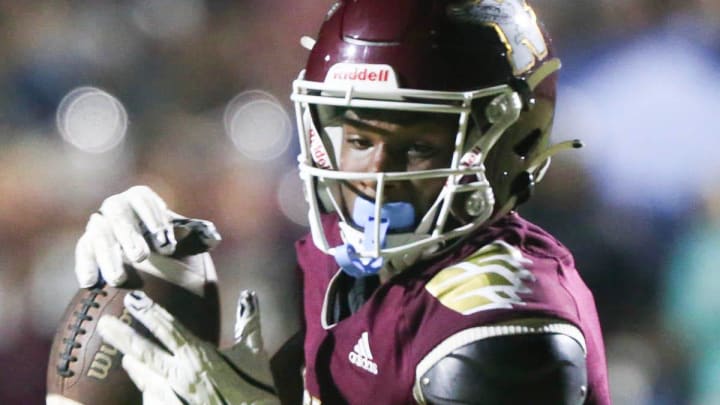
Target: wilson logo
[(103, 359)]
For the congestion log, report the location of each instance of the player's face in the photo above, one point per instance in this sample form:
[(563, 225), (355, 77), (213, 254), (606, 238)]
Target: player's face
[(380, 145)]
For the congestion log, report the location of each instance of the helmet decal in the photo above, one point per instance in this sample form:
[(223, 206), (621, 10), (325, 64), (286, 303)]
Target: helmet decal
[(364, 76), (515, 23)]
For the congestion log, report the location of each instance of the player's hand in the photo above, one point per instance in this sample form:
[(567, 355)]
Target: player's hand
[(248, 353), (190, 371), (129, 228)]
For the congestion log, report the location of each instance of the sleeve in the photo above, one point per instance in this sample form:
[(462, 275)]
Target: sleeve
[(286, 366)]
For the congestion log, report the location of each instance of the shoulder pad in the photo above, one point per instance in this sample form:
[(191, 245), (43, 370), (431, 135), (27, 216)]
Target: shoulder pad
[(531, 368)]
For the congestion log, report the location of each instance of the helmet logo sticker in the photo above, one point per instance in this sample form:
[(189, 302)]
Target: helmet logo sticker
[(515, 23), (362, 75)]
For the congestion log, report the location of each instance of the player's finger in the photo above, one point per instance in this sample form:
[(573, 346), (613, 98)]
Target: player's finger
[(86, 268), (153, 212), (139, 373), (207, 232), (128, 341), (106, 250), (125, 225), (156, 390), (205, 228), (247, 320), (155, 398), (157, 320)]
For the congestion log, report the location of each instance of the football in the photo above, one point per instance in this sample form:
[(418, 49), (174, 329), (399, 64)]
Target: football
[(83, 369)]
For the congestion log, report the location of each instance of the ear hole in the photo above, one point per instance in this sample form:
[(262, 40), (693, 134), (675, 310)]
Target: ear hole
[(531, 140)]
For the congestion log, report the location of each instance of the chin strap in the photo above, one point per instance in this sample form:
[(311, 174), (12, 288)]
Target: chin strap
[(393, 216)]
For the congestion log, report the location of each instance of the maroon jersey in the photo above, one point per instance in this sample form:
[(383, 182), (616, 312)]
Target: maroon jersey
[(510, 271)]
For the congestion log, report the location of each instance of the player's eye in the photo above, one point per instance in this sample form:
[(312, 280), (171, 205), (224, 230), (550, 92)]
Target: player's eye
[(358, 142), (421, 150)]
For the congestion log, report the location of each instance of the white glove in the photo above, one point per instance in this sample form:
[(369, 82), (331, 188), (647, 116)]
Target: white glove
[(248, 352), (131, 227), (193, 371)]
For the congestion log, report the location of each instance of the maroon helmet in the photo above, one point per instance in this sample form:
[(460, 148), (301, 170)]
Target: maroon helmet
[(489, 63)]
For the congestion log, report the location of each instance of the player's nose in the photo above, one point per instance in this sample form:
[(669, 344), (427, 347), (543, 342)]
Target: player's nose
[(385, 159)]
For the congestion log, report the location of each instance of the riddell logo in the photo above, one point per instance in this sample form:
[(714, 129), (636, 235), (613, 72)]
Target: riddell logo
[(362, 75)]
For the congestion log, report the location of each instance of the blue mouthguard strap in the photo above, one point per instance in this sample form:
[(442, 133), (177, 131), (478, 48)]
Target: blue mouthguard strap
[(393, 216)]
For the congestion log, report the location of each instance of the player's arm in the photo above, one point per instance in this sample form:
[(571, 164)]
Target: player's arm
[(288, 361), (287, 366), (503, 364)]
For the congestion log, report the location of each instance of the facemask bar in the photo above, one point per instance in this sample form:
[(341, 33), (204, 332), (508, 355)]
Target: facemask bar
[(502, 112)]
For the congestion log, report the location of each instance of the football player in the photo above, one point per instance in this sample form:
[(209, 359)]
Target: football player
[(423, 124)]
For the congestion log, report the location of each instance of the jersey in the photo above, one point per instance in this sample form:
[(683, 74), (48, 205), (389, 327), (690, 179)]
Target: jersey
[(372, 355)]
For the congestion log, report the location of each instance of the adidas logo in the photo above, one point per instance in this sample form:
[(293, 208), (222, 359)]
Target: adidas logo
[(361, 355)]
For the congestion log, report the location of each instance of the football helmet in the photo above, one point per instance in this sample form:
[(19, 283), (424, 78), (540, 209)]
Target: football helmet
[(487, 63)]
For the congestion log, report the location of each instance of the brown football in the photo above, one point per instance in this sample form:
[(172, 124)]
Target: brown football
[(83, 369)]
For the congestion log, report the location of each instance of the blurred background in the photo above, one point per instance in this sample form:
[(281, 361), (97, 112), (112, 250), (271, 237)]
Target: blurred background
[(191, 97)]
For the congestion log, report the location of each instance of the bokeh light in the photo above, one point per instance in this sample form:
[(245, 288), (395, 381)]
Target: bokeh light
[(92, 120), (258, 125)]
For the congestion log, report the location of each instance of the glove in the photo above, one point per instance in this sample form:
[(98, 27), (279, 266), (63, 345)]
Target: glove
[(191, 371), (131, 227), (248, 352)]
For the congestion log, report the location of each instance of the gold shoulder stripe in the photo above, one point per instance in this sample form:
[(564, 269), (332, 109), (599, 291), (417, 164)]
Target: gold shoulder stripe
[(489, 279)]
